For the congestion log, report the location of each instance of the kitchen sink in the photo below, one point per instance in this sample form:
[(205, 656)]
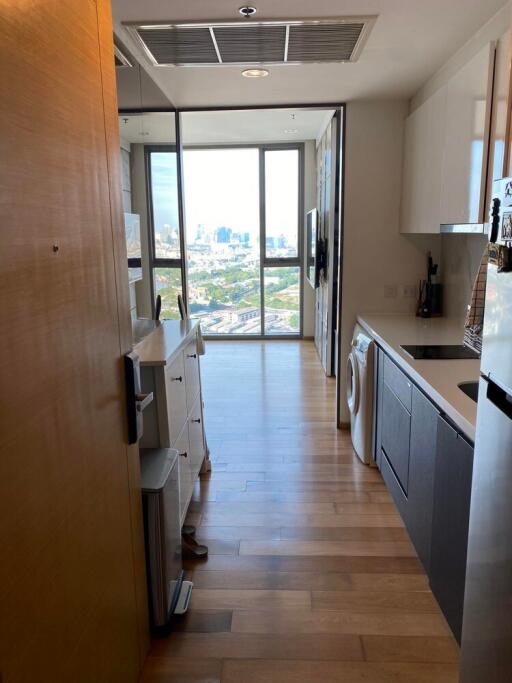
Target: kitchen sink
[(470, 389)]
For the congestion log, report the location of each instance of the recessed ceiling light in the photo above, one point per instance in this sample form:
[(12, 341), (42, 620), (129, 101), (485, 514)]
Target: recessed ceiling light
[(291, 130), (247, 11), (255, 73)]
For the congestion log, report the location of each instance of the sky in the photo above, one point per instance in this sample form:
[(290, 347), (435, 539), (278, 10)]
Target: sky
[(222, 189)]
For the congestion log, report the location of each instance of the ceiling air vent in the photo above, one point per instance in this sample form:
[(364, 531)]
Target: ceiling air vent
[(323, 42), (250, 42), (179, 45)]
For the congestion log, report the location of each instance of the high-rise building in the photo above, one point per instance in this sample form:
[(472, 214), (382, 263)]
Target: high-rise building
[(223, 235)]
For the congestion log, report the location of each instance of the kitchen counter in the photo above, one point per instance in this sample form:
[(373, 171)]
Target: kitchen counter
[(164, 340), (437, 378)]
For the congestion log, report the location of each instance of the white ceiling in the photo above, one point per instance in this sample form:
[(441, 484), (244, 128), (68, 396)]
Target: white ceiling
[(227, 127), (148, 129), (253, 126), (409, 42)]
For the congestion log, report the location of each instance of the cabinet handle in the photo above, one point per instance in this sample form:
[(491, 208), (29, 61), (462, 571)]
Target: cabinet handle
[(184, 454), (191, 355), (198, 421), (177, 379)]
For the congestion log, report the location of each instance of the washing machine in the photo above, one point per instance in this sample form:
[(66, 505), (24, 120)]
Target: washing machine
[(360, 381)]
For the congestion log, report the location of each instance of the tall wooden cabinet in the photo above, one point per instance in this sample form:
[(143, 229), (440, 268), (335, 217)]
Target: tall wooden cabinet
[(72, 597)]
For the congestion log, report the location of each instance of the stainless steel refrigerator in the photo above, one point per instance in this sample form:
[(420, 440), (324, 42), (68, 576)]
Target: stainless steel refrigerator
[(486, 655)]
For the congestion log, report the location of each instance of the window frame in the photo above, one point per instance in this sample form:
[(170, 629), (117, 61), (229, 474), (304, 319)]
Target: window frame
[(289, 261), (154, 261)]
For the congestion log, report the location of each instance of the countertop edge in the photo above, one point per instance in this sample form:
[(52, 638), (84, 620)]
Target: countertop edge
[(163, 362), (467, 428)]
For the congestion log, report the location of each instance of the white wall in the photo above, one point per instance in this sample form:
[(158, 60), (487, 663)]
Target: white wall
[(377, 260), (308, 322)]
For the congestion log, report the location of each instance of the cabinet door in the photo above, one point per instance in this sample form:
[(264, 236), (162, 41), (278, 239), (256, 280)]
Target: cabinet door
[(196, 438), (183, 447), (423, 156), (396, 432), (468, 106), (191, 362), (176, 398), (377, 430), (450, 521), (422, 461)]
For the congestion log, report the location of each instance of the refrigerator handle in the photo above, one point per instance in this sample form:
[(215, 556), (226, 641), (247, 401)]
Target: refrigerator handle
[(499, 397)]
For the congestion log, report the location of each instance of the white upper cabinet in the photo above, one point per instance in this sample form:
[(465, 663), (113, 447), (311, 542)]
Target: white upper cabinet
[(421, 189), (446, 151)]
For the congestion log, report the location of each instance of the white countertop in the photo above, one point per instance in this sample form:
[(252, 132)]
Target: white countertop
[(437, 378), (160, 346)]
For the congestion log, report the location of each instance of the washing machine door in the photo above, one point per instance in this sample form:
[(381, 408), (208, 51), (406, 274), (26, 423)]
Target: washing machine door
[(353, 389)]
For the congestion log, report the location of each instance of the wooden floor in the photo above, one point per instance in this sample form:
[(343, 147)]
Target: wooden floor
[(311, 575)]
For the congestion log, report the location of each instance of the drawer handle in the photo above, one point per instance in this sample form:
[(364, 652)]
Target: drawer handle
[(177, 379), (184, 454), (191, 355), (198, 421)]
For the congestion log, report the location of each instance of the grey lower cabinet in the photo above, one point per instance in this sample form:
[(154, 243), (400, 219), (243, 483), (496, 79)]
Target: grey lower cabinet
[(396, 435), (424, 421), (450, 522), (427, 466), (410, 478)]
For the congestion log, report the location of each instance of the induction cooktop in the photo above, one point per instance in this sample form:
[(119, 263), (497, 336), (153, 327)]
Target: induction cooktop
[(440, 352)]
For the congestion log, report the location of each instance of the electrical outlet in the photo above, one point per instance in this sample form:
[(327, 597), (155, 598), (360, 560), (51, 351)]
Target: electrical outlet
[(390, 291), (409, 291)]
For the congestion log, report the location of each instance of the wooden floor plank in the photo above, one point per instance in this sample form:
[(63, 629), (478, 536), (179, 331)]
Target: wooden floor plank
[(349, 533), (170, 670), (282, 519), (410, 649), (328, 548), (332, 621), (264, 646), (352, 564), (231, 599), (375, 601), (309, 581), (270, 671)]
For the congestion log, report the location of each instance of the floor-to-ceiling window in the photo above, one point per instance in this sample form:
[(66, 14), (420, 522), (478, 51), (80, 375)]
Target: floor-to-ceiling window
[(223, 239), (243, 208)]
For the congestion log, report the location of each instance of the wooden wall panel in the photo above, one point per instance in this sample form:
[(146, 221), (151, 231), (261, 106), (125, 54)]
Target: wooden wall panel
[(120, 261), (67, 583)]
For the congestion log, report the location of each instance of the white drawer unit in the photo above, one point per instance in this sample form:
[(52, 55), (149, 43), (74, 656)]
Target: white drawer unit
[(170, 369)]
